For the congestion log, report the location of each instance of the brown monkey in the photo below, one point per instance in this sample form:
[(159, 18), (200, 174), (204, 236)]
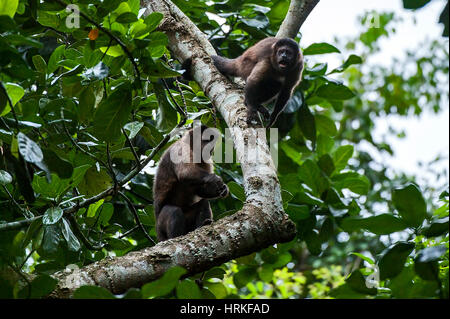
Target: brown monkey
[(184, 182), (271, 68)]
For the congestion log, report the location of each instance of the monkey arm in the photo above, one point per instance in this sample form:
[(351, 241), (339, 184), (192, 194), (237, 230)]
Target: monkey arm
[(207, 185), (282, 99)]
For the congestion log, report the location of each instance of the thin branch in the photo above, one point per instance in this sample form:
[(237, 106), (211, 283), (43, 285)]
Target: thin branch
[(112, 36), (113, 175), (78, 146), (79, 233), (136, 217), (136, 157), (3, 88), (14, 201), (125, 234), (179, 109)]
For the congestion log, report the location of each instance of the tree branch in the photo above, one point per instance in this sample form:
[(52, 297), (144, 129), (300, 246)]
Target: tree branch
[(298, 11), (259, 224)]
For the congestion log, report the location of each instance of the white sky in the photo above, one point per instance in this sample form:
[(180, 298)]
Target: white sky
[(427, 136)]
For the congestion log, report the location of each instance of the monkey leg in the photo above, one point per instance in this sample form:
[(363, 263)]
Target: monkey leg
[(170, 223), (204, 216)]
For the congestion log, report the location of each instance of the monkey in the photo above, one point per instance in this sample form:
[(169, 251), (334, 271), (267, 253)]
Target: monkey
[(272, 68), (184, 183)]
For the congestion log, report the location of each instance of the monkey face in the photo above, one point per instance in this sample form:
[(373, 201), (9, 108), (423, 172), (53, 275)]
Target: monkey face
[(285, 57)]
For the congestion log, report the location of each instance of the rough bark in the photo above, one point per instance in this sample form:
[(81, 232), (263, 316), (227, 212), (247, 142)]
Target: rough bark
[(260, 223)]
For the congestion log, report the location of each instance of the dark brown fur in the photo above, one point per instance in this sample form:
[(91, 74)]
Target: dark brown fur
[(271, 67), (181, 190)]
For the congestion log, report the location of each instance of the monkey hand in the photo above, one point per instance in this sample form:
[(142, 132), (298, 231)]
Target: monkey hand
[(213, 187)]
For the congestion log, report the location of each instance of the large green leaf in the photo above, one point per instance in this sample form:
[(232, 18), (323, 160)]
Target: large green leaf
[(113, 113), (52, 215), (393, 259), (165, 284), (341, 156), (381, 224), (410, 204), (320, 48), (8, 7), (5, 177)]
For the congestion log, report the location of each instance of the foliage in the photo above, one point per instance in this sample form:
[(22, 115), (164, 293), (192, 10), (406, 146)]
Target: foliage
[(77, 113)]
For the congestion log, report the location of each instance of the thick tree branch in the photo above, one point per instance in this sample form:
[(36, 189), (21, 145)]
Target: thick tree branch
[(260, 223), (298, 11)]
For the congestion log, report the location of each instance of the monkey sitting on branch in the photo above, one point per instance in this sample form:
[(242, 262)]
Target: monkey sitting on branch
[(272, 68), (185, 182)]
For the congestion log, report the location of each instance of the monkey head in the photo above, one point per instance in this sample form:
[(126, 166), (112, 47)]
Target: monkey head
[(202, 141), (286, 55)]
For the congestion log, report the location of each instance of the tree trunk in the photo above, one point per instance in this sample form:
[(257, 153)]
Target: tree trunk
[(260, 223)]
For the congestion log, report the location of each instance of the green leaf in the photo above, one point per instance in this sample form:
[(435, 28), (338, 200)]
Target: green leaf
[(334, 91), (381, 224), (244, 276), (325, 125), (50, 241), (307, 123), (369, 260), (86, 105), (39, 63), (126, 17), (71, 239), (426, 262), (352, 59), (188, 289), (415, 4), (152, 21), (56, 56), (320, 48), (94, 207), (326, 164), (297, 212), (358, 184), (58, 186), (166, 118), (341, 157), (56, 164), (237, 191), (52, 215), (410, 204), (436, 228), (112, 114), (393, 259), (357, 282), (310, 173), (5, 178), (133, 128), (292, 153), (106, 213), (15, 93), (41, 286), (94, 182), (8, 7), (92, 292), (165, 284), (313, 242)]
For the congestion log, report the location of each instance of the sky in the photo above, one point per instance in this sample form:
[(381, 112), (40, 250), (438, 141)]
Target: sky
[(427, 136)]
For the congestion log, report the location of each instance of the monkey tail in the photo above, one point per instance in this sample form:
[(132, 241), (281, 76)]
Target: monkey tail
[(225, 66)]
